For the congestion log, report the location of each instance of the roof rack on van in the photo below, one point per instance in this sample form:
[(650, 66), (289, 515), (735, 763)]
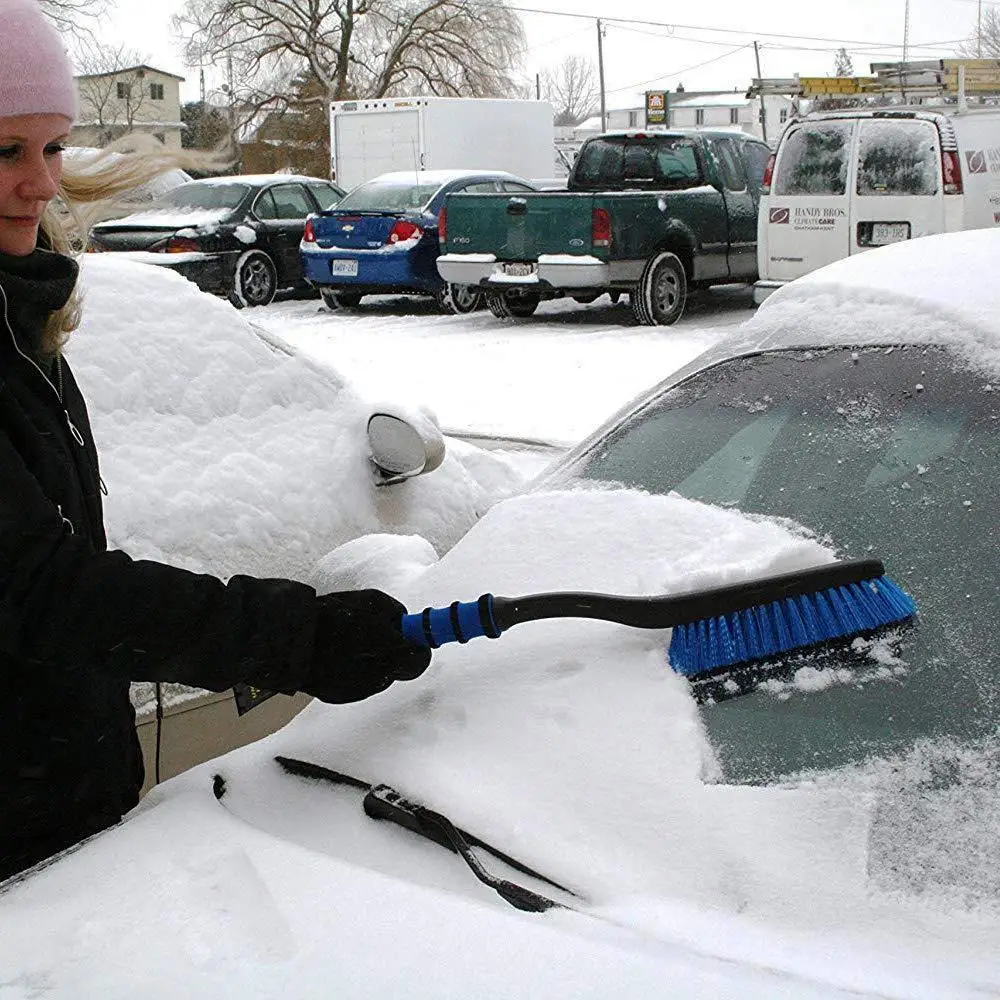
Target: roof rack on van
[(943, 80)]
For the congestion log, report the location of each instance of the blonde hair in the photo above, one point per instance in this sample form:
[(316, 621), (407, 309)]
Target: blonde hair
[(91, 187)]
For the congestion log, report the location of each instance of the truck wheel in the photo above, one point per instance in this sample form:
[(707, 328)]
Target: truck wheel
[(659, 298), (340, 300), (497, 305), (460, 299), (523, 306)]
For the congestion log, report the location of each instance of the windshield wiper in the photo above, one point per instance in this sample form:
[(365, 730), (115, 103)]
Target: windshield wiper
[(384, 802)]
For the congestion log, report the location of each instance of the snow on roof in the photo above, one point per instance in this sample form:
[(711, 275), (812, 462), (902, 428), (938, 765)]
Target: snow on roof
[(733, 100), (938, 289)]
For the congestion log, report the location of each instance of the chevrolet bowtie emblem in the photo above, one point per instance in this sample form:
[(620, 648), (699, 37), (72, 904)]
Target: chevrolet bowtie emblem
[(347, 229)]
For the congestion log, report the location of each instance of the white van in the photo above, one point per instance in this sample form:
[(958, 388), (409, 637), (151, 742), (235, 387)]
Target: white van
[(845, 181)]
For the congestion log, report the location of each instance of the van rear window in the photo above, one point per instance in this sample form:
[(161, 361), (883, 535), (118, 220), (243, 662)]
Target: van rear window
[(814, 159), (898, 158)]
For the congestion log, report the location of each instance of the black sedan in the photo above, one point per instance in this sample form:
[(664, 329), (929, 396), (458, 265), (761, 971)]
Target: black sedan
[(236, 236)]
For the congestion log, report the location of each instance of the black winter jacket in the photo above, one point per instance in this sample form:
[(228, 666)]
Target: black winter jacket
[(77, 622)]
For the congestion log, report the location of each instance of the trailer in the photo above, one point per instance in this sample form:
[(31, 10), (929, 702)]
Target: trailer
[(372, 137)]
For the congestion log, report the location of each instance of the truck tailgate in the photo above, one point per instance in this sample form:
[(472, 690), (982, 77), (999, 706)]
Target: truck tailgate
[(521, 226)]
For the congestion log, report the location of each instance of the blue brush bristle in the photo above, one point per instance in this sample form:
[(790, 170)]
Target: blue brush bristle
[(792, 623)]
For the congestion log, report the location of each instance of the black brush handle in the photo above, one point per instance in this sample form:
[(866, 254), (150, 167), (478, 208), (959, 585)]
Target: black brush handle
[(491, 615)]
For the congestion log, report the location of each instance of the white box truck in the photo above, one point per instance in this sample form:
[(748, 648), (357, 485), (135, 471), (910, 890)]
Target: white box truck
[(371, 137)]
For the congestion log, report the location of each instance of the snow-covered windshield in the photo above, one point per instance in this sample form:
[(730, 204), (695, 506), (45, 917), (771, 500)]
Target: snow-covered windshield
[(394, 195), (892, 453), (814, 159), (195, 195)]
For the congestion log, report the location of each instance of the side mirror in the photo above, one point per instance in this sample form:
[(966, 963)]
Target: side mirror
[(403, 448)]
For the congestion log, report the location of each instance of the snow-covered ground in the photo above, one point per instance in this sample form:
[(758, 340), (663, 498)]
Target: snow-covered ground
[(554, 377)]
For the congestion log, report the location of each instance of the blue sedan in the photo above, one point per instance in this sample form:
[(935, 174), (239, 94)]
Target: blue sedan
[(382, 237)]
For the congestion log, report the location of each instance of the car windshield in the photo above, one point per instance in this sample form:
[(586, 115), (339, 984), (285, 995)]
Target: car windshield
[(395, 195), (885, 452), (208, 196)]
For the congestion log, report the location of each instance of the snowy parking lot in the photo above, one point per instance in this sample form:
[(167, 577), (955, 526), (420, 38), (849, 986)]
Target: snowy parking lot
[(552, 378)]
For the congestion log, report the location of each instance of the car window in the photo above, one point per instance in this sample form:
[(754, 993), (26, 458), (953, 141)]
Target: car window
[(326, 195), (392, 195), (677, 161), (668, 160), (814, 159), (600, 162), (198, 194), (898, 158), (291, 201), (483, 187), (757, 156), (891, 453), (729, 164), (515, 186), (264, 207)]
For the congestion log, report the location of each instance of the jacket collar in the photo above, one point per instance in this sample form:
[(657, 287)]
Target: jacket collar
[(34, 286)]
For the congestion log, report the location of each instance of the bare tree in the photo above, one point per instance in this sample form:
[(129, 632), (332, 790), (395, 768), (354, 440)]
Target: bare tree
[(112, 89), (571, 88), (984, 43), (842, 64), (354, 48), (75, 17)]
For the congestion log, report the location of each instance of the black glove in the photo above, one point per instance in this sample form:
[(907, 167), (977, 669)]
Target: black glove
[(358, 649)]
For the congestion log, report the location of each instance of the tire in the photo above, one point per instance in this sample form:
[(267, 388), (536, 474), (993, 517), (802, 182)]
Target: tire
[(256, 280), (662, 291), (340, 300), (522, 306), (460, 299), (497, 304)]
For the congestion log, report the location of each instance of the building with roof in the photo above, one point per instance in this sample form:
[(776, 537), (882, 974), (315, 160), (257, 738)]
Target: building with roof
[(131, 99)]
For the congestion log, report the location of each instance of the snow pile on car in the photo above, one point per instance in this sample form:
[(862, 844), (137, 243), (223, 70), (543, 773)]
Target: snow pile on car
[(937, 289), (226, 455)]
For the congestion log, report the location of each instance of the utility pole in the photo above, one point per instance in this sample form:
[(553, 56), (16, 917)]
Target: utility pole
[(906, 31), (600, 70), (538, 86), (763, 105), (979, 32)]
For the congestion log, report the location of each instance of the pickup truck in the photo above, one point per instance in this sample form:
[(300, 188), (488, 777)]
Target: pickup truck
[(650, 214)]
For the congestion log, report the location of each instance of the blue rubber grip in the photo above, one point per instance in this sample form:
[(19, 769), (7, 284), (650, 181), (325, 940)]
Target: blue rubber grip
[(460, 622)]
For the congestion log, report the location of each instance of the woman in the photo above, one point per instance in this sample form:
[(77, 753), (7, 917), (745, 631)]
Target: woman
[(78, 622)]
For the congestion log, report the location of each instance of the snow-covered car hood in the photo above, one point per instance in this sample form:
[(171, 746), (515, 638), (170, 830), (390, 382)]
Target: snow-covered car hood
[(226, 454), (571, 746)]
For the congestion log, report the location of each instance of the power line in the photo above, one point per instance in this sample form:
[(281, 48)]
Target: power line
[(680, 72), (838, 42)]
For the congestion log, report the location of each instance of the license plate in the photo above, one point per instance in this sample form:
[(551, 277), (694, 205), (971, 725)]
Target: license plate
[(519, 270), (890, 232), (348, 268)]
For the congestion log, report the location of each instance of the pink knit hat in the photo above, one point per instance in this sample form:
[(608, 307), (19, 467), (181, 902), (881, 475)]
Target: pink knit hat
[(35, 72)]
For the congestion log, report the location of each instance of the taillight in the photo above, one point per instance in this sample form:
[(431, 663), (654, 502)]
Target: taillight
[(176, 244), (403, 230), (443, 224), (309, 233), (765, 184), (600, 228), (951, 171)]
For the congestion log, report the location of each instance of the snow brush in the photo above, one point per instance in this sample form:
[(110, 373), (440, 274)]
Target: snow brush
[(712, 629)]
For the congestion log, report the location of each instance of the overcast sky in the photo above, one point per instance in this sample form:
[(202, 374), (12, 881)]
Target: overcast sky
[(637, 56)]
